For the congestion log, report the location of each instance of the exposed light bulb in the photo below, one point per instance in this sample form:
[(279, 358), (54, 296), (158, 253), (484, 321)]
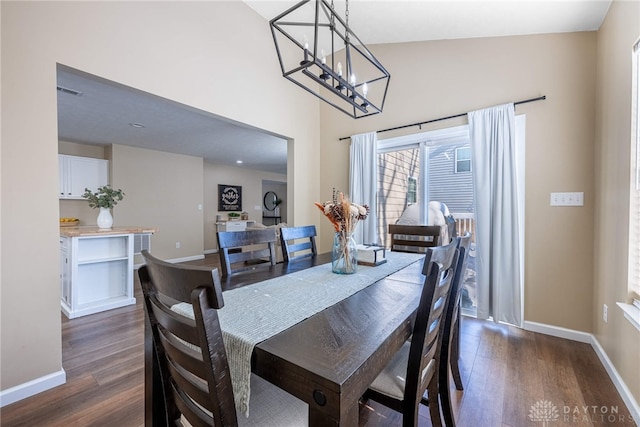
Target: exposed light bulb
[(352, 80), (340, 69), (323, 57), (365, 89), (306, 61)]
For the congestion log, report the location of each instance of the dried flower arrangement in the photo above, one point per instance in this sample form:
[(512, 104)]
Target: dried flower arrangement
[(343, 214)]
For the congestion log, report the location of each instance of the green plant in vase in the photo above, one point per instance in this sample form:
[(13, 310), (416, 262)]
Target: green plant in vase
[(105, 198)]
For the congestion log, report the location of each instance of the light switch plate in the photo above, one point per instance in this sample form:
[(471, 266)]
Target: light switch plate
[(567, 199)]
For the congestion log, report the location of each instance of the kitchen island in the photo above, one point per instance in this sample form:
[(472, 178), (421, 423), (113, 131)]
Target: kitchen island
[(96, 268)]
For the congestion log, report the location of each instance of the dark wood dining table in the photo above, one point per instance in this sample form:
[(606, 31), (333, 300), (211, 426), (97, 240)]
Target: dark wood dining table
[(329, 359)]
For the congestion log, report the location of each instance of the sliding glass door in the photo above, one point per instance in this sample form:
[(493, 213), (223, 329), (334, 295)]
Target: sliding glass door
[(434, 166)]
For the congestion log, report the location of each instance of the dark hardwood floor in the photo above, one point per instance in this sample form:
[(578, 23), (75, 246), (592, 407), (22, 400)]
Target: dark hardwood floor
[(509, 374)]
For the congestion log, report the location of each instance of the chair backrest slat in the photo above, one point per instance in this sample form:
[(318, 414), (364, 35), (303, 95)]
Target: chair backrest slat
[(414, 238), (292, 248)]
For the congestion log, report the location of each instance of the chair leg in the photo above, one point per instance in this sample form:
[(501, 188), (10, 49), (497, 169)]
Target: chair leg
[(455, 355), (410, 417), (445, 397), (434, 407)]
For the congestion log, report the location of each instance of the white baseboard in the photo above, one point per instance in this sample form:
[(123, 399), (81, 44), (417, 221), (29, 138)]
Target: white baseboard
[(187, 258), (591, 339), (210, 251), (558, 331), (622, 388), (32, 387)]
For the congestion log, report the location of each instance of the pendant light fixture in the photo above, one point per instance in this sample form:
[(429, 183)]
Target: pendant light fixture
[(318, 51)]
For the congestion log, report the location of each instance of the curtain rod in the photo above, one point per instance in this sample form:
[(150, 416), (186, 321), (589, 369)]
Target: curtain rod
[(540, 98)]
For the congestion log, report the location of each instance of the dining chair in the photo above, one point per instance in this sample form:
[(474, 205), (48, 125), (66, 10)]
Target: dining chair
[(195, 374), (293, 251), (450, 339), (464, 244), (414, 368), (414, 238), (246, 250)]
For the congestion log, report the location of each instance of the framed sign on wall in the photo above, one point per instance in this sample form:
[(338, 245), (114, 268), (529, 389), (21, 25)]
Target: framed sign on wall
[(229, 198)]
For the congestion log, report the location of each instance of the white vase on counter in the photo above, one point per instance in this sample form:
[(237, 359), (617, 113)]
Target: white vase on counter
[(105, 220)]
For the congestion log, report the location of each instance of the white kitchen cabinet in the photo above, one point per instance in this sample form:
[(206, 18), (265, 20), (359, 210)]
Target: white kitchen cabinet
[(240, 225), (77, 173), (96, 273)]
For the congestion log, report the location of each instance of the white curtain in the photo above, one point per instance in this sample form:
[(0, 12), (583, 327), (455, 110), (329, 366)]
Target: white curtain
[(363, 183), (497, 204)]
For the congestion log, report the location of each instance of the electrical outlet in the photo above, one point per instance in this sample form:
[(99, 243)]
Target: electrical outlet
[(177, 245), (604, 312)]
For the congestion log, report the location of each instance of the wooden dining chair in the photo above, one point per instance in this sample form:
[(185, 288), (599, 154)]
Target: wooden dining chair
[(464, 244), (414, 369), (292, 250), (192, 359), (450, 339), (246, 250), (414, 238)]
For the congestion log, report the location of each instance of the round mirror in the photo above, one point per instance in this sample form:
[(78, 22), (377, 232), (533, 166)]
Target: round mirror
[(270, 200)]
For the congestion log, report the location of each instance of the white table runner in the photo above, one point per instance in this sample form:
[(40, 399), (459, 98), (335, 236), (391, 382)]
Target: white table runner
[(254, 313)]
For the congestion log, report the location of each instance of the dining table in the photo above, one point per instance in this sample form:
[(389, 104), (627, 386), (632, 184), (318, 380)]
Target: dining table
[(328, 359)]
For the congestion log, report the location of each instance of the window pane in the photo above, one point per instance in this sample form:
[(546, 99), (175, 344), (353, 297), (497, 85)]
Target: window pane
[(463, 159), (395, 169), (412, 195), (463, 166)]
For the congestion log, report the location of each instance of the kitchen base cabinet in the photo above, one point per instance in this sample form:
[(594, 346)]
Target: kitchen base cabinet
[(96, 273)]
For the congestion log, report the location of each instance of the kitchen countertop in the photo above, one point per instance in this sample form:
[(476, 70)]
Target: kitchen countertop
[(92, 230)]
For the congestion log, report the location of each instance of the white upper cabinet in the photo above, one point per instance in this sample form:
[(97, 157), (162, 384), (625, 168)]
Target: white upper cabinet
[(78, 173)]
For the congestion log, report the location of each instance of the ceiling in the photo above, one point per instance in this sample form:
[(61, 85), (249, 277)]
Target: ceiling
[(105, 112), (110, 113), (397, 21)]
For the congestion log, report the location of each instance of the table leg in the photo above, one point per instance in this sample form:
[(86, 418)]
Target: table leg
[(347, 419)]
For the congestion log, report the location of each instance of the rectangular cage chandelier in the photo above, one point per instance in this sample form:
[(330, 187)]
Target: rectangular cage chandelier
[(318, 51)]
